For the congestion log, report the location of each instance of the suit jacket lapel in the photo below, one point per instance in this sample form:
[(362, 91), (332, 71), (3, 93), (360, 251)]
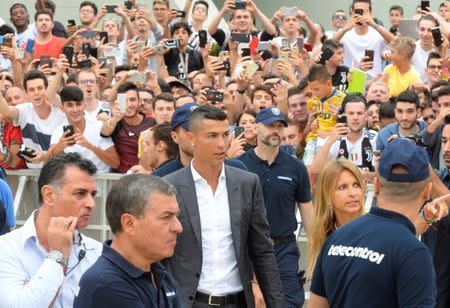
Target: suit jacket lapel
[(189, 196), (235, 203)]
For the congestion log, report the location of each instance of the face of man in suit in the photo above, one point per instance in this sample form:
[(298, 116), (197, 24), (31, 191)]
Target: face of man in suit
[(211, 141)]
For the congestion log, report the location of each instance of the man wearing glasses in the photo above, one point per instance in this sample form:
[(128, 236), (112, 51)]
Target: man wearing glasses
[(338, 21)]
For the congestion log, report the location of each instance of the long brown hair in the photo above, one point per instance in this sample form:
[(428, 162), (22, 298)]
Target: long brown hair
[(324, 219)]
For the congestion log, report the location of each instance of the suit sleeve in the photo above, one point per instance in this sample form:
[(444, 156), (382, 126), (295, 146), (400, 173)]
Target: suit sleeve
[(261, 250)]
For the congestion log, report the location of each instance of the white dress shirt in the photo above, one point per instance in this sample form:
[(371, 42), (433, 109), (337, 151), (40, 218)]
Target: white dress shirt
[(29, 279), (220, 274)]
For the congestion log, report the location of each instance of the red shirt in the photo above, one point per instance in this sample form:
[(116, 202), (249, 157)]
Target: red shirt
[(12, 135), (52, 48)]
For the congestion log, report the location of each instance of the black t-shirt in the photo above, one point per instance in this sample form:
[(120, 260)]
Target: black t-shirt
[(339, 78), (175, 66), (59, 30)]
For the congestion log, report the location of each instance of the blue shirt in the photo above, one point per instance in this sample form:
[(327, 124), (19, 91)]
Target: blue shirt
[(7, 200), (375, 261), (114, 282), (175, 165), (283, 183), (392, 129)]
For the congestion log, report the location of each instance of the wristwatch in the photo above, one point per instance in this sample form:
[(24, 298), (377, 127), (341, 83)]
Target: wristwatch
[(58, 257)]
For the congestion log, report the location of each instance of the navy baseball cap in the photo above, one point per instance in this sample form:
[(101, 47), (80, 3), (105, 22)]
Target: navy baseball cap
[(403, 152), (269, 115), (181, 116)]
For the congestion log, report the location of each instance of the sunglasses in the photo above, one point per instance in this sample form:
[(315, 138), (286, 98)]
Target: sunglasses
[(343, 17)]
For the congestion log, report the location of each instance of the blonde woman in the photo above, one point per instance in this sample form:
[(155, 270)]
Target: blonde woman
[(338, 199)]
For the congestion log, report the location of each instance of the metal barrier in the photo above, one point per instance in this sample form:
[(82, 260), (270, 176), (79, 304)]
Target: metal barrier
[(24, 186)]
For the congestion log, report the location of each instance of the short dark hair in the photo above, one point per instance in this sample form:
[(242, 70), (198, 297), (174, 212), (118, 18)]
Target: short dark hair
[(34, 74), (12, 7), (430, 18), (146, 90), (444, 91), (408, 97), (262, 87), (163, 132), (54, 170), (438, 84), (164, 97), (201, 2), (180, 25), (205, 112), (5, 29), (71, 93), (318, 72), (121, 68), (127, 86), (354, 98), (332, 44), (91, 4), (43, 12), (131, 194), (387, 111), (433, 55), (352, 7), (397, 8)]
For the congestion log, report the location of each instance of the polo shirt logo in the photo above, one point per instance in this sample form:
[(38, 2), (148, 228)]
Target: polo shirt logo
[(358, 252), (284, 178), (169, 294)]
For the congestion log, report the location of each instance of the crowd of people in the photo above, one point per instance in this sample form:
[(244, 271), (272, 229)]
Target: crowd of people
[(222, 136)]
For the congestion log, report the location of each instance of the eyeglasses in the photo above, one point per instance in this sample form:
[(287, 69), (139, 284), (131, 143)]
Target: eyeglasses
[(343, 17), (87, 81), (86, 11)]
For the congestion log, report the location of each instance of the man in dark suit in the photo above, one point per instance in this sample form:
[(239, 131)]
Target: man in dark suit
[(226, 233)]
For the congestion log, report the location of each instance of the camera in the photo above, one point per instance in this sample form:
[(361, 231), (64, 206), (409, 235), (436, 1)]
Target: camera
[(417, 139)]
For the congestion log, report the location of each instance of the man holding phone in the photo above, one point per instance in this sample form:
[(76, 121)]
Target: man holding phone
[(361, 33)]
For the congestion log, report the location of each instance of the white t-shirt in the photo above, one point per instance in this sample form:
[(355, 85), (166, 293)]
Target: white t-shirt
[(22, 38), (355, 150), (92, 135), (355, 46), (101, 105), (36, 132), (419, 61)]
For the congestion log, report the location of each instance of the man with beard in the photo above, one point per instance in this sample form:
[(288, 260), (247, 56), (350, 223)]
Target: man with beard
[(407, 111), (125, 128), (285, 183), (46, 43), (180, 129)]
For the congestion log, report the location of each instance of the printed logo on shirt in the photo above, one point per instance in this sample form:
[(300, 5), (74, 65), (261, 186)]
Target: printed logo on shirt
[(357, 252), (168, 294)]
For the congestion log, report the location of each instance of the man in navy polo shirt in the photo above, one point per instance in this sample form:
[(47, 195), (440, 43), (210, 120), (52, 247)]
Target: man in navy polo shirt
[(376, 260), (128, 273), (285, 182), (180, 128)]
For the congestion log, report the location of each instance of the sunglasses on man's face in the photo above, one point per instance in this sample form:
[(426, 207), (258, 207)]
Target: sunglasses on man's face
[(343, 17)]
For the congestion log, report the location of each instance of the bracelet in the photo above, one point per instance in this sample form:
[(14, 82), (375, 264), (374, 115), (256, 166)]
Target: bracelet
[(109, 124)]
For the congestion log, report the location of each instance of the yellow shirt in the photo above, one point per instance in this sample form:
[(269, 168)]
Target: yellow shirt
[(324, 119), (397, 82)]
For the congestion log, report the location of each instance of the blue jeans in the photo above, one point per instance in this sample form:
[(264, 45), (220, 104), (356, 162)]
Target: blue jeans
[(287, 256)]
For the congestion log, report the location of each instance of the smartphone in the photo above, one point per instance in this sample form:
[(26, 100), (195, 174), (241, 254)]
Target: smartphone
[(26, 152), (263, 46), (70, 129), (342, 118), (85, 64), (437, 36), (30, 46), (46, 60), (114, 51), (7, 41), (86, 49), (327, 53), (240, 37), (111, 9), (238, 130), (240, 5), (94, 52), (370, 54), (226, 65), (285, 42), (103, 36), (245, 52), (300, 43), (89, 34), (68, 51), (424, 5), (128, 5), (141, 77), (181, 13), (172, 44), (359, 12), (103, 62), (289, 11), (284, 56), (250, 69), (214, 96), (202, 38), (71, 22), (122, 101)]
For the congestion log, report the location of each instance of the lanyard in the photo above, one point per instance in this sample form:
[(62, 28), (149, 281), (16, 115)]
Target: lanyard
[(184, 62)]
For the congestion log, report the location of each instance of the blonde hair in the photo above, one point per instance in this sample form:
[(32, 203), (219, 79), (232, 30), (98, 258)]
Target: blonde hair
[(324, 220), (405, 45)]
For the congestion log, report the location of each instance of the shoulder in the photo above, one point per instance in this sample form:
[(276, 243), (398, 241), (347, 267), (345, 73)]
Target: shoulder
[(178, 176), (240, 175), (235, 163)]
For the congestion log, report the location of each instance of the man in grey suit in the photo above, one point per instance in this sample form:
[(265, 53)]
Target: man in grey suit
[(226, 234)]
